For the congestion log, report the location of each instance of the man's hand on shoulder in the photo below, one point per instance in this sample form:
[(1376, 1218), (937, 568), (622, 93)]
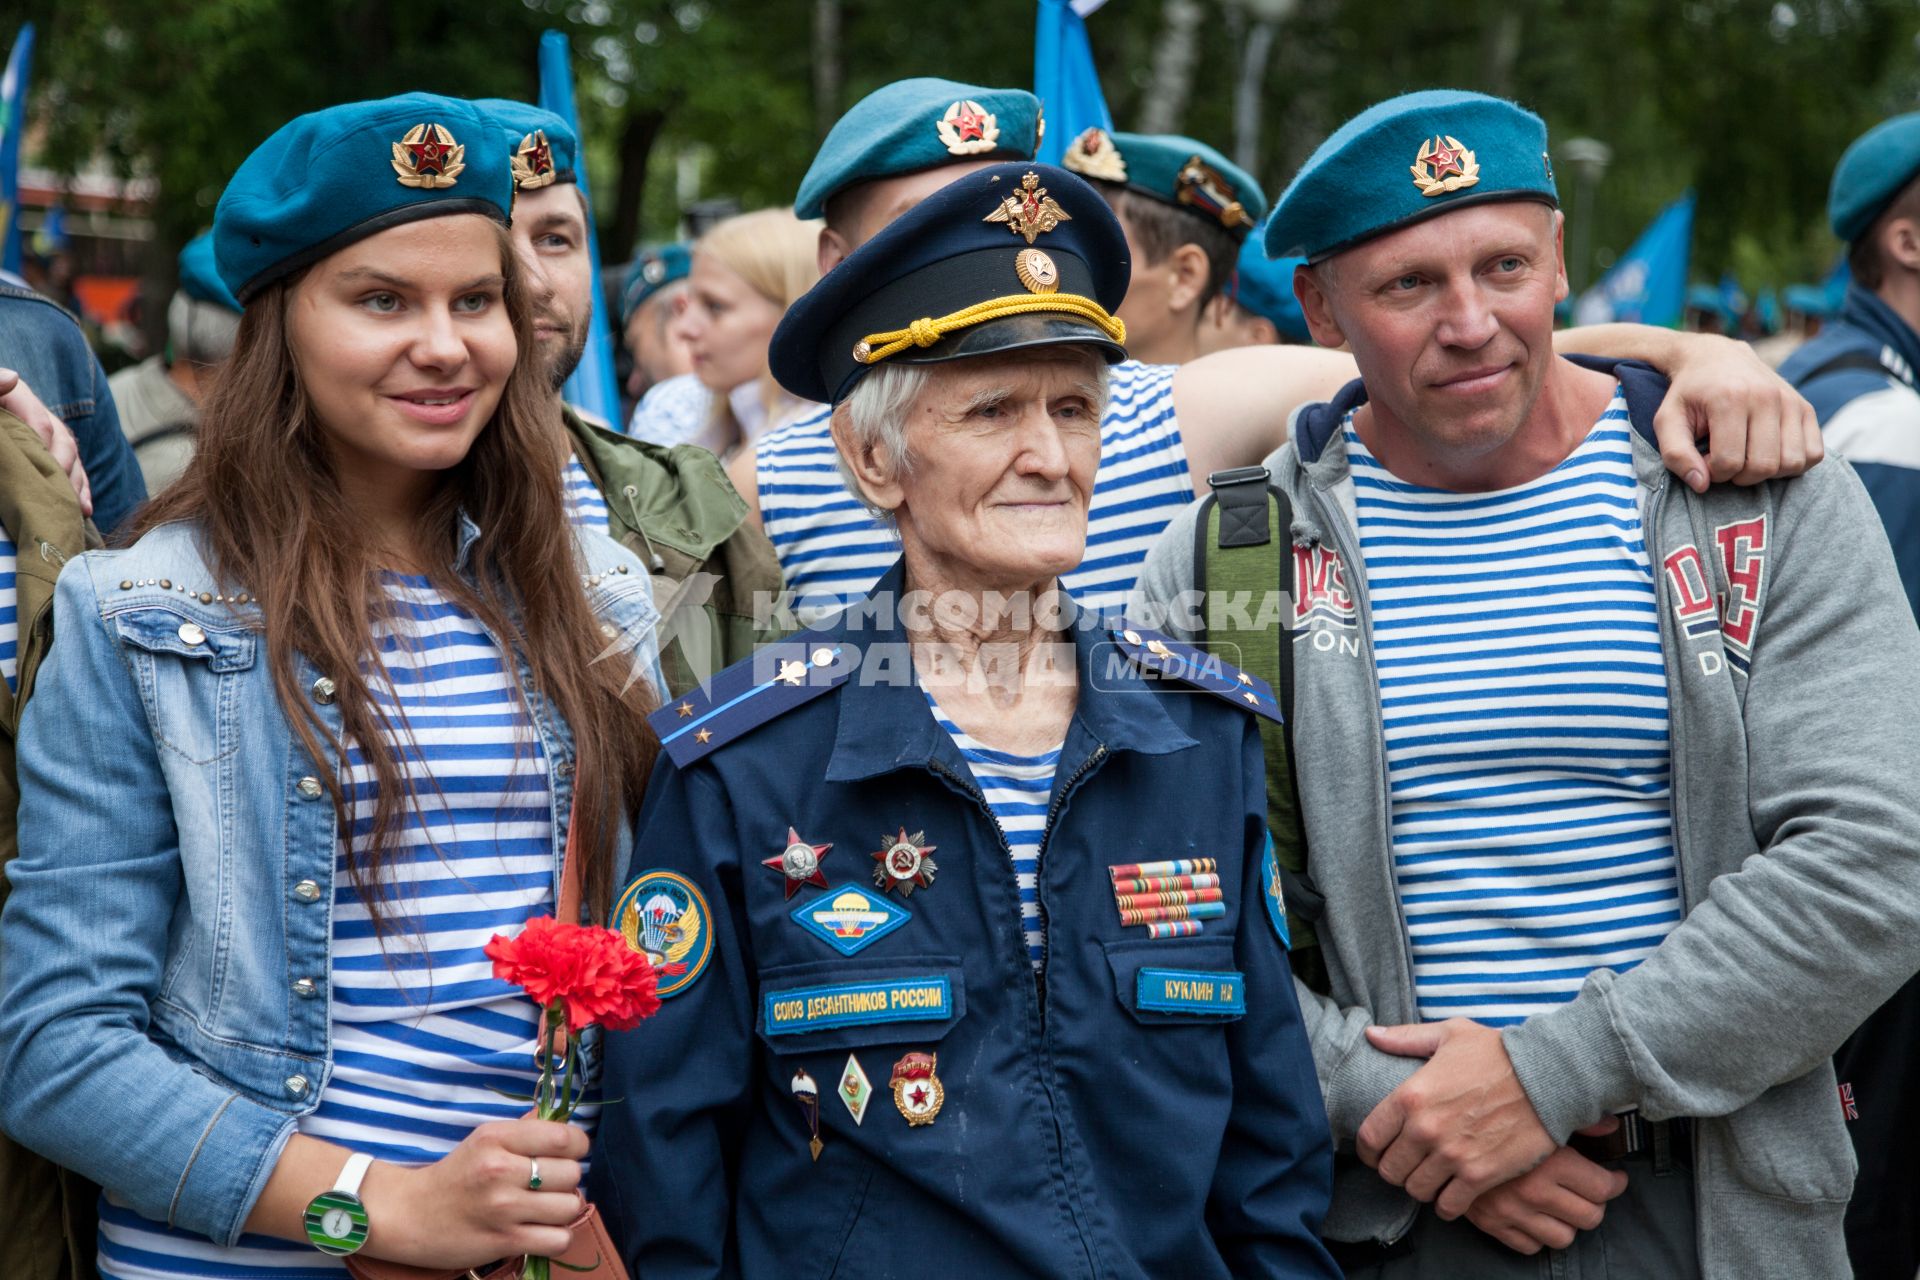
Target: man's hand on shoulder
[(1460, 1125), (1757, 427), (17, 398)]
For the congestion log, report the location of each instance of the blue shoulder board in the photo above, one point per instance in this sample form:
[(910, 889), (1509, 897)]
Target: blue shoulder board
[(1155, 653), (775, 680)]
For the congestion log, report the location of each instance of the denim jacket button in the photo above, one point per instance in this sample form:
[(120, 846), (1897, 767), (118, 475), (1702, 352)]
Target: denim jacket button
[(323, 690), (307, 891), (563, 768), (297, 1086), (309, 788), (608, 630), (192, 634), (305, 988)]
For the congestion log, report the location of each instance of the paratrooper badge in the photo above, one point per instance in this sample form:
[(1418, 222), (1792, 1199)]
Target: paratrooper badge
[(904, 864), (807, 1094), (799, 862), (1093, 155), (533, 162), (968, 129), (1444, 165), (664, 917), (1031, 211), (1200, 186), (917, 1091), (428, 157)]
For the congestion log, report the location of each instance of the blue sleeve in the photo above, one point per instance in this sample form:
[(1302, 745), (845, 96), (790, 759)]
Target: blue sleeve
[(1895, 491), (83, 942), (666, 1160), (112, 470), (1275, 1176)]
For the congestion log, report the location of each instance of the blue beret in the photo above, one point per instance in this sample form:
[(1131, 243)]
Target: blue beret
[(1183, 172), (1264, 286), (1406, 159), (200, 277), (1880, 162), (650, 271), (1014, 255), (916, 124), (541, 146), (329, 178)]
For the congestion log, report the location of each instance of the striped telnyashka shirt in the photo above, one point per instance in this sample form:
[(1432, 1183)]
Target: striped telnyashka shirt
[(427, 1043), (831, 551), (1524, 700)]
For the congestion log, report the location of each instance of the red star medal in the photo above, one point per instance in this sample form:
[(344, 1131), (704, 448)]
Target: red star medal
[(1443, 161), (917, 1091), (430, 153), (904, 864), (970, 125), (799, 862)]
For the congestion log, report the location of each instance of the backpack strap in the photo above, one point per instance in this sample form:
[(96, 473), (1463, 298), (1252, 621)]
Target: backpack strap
[(1242, 566), (1848, 361)]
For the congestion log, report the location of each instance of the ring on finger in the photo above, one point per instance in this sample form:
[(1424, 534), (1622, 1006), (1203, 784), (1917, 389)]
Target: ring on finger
[(533, 1173)]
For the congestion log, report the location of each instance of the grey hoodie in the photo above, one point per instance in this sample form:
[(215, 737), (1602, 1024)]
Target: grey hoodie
[(1793, 673)]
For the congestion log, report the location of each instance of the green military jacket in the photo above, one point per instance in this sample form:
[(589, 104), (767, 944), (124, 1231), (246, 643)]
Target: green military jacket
[(48, 1212), (715, 575)]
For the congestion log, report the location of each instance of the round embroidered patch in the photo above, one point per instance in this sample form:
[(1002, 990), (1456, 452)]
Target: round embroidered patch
[(665, 918), (1276, 898)]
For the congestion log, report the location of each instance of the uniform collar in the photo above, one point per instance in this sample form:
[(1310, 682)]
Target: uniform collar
[(1866, 311), (885, 724)]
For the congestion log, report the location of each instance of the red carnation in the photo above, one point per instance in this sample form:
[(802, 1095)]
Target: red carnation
[(591, 972)]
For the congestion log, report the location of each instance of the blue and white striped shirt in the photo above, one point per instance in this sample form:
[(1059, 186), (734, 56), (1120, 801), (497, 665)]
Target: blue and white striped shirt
[(1017, 788), (585, 507), (9, 610), (831, 551), (1524, 700), (426, 1041)]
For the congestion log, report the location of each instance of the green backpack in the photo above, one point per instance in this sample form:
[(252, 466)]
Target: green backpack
[(1242, 566)]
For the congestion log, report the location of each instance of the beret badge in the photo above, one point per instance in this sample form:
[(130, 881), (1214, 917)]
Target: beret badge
[(1203, 188), (428, 157), (1030, 212), (1036, 271), (1093, 155), (533, 162), (968, 129), (1444, 165)]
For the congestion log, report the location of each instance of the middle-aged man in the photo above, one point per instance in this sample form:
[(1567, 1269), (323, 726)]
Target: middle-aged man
[(1859, 374), (908, 139), (674, 507), (1092, 1071), (1608, 785)]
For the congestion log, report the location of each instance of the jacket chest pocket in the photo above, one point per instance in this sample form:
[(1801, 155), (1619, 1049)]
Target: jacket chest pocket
[(189, 676), (1181, 984)]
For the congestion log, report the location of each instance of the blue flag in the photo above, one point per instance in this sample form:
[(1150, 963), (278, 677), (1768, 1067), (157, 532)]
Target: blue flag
[(13, 122), (1648, 285), (592, 387), (1063, 76)]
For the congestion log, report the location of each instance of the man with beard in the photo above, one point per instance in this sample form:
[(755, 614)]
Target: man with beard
[(672, 506)]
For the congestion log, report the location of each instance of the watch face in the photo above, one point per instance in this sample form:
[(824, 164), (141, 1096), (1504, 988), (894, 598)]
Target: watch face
[(336, 1223)]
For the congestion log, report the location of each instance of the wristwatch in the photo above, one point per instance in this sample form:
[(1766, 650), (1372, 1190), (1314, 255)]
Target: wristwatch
[(336, 1220)]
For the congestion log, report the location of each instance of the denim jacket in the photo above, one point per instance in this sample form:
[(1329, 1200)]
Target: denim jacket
[(46, 348), (175, 881)]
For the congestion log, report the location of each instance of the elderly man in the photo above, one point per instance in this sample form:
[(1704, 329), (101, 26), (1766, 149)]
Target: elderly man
[(1165, 429), (943, 848), (713, 570), (1608, 785)]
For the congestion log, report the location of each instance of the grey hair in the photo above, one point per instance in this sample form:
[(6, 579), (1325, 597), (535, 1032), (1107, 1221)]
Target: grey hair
[(878, 410), (201, 332)]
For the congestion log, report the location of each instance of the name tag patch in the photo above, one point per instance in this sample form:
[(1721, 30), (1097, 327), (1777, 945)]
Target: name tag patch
[(850, 1004), (1221, 991)]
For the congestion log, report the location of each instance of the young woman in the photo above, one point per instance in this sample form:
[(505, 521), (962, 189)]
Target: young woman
[(746, 272), (318, 735)]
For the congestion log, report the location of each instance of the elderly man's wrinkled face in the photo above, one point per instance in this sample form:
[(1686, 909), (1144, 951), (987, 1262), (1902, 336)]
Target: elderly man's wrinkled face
[(1450, 320), (1002, 452)]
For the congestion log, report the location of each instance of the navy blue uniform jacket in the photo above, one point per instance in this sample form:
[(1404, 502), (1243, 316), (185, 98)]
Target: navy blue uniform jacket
[(1149, 1111)]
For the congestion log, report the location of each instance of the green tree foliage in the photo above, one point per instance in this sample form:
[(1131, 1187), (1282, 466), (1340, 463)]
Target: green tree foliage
[(1748, 101)]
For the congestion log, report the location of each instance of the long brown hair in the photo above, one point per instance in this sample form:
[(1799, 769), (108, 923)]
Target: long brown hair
[(264, 493)]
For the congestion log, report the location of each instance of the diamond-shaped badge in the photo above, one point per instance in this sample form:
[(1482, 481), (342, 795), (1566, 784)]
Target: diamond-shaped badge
[(855, 1089), (850, 920)]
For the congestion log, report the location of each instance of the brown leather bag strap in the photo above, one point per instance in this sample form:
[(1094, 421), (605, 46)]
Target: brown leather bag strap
[(567, 909)]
